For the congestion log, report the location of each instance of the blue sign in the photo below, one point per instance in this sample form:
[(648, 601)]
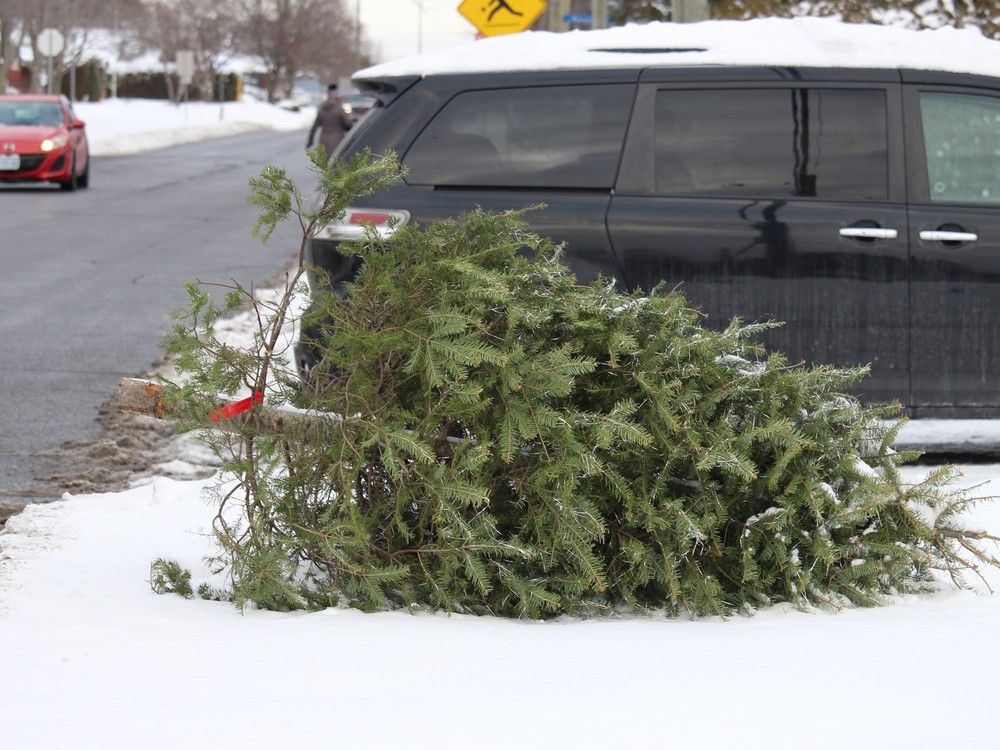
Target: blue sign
[(578, 18)]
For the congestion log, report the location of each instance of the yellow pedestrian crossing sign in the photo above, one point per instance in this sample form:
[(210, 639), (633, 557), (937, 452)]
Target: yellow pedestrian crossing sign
[(493, 17)]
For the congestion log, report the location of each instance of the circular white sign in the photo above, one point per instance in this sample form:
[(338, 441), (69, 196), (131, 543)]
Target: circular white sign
[(50, 42)]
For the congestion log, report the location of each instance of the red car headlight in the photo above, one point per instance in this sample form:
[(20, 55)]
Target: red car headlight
[(50, 144)]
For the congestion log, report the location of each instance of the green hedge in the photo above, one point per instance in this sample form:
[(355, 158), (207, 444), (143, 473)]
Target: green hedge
[(90, 79), (154, 86)]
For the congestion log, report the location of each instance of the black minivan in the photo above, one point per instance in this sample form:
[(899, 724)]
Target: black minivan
[(860, 206)]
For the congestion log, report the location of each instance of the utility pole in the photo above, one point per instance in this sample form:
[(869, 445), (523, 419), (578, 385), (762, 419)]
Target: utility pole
[(599, 14), (689, 11), (420, 23), (357, 35), (420, 26), (558, 10)]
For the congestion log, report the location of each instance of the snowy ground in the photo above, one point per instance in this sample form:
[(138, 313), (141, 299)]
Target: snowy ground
[(93, 659), (128, 126)]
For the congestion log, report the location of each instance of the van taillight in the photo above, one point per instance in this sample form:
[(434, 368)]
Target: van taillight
[(355, 221), (366, 217)]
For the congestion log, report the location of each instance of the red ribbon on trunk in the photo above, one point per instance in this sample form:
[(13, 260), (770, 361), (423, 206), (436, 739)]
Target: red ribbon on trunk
[(238, 407)]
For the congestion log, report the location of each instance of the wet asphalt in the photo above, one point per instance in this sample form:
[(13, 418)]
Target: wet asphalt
[(88, 280)]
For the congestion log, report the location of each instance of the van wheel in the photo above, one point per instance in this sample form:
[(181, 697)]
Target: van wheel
[(70, 184)]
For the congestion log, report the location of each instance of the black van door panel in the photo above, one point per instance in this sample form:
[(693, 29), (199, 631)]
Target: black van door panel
[(770, 203), (842, 300), (953, 157)]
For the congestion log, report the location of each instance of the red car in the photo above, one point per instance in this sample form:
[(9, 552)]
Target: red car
[(41, 140)]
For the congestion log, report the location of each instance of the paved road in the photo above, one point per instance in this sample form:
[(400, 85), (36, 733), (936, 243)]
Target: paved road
[(88, 279)]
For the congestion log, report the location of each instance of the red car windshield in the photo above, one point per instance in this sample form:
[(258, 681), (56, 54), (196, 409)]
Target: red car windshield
[(30, 113)]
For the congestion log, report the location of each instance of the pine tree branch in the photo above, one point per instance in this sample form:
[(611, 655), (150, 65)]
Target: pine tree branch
[(965, 534)]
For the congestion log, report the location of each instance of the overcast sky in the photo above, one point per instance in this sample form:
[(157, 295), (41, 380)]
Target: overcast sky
[(391, 26)]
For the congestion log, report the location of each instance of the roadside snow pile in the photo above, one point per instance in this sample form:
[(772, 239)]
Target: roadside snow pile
[(127, 126), (801, 42), (93, 659), (966, 436)]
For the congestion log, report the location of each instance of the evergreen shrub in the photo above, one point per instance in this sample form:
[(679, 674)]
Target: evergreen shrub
[(89, 82), (153, 85), (485, 434)]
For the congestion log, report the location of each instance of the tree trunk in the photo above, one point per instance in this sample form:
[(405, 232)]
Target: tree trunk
[(272, 86), (144, 397), (171, 93), (4, 51)]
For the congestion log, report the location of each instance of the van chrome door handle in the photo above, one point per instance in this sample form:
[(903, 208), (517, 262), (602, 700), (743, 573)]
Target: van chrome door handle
[(938, 235), (869, 233)]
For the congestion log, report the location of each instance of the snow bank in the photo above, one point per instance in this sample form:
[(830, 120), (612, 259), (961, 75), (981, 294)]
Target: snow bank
[(128, 126), (800, 42), (93, 659), (944, 435)]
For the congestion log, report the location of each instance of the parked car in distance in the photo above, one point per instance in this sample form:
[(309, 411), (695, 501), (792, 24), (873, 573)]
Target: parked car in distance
[(858, 205), (42, 140), (357, 106)]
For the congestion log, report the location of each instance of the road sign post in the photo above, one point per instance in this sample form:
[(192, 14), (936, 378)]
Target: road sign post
[(185, 69), (222, 95), (690, 11), (495, 17), (50, 43)]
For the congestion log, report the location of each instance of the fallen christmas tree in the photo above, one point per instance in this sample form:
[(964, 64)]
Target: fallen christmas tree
[(500, 439)]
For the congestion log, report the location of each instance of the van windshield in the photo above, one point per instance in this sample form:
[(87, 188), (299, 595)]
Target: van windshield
[(30, 113)]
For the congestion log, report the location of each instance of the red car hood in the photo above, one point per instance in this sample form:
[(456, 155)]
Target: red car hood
[(26, 138)]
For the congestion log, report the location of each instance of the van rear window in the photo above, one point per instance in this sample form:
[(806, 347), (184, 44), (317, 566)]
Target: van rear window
[(540, 137)]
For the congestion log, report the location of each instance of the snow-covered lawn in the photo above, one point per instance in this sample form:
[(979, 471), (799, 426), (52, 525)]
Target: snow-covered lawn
[(91, 658), (128, 126)]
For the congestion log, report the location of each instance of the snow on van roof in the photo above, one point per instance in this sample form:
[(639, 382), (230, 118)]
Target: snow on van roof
[(797, 42)]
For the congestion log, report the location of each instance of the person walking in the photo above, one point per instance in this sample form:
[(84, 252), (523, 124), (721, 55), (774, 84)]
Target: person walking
[(330, 121)]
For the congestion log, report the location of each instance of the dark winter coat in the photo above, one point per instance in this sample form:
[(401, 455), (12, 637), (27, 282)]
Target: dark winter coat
[(330, 121)]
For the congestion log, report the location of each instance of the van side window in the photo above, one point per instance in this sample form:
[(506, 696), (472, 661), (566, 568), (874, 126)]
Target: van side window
[(772, 143), (962, 146), (540, 137)]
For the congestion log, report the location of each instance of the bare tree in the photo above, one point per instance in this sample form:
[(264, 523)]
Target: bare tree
[(206, 27), (985, 14), (23, 20), (982, 13), (293, 36), (5, 49)]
